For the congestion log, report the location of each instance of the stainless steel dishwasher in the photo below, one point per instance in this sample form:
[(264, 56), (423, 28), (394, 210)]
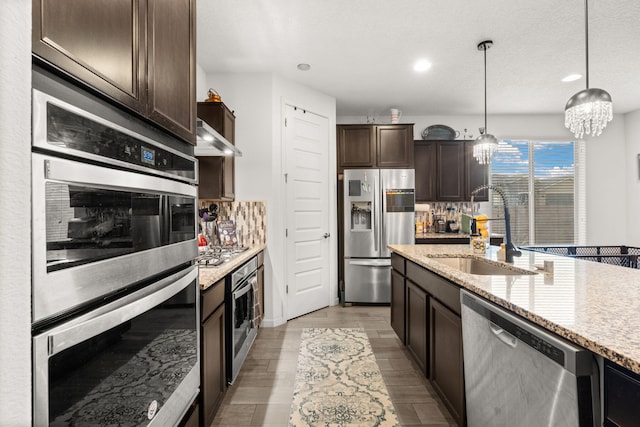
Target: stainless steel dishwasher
[(519, 374)]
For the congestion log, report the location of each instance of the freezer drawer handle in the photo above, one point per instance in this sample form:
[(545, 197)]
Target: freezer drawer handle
[(503, 335), (384, 264)]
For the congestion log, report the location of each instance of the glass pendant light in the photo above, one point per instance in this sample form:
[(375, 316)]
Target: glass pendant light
[(588, 111), (486, 143)]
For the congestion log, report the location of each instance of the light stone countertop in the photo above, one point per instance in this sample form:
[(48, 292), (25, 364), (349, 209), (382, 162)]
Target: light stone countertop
[(441, 235), (210, 275), (594, 305)]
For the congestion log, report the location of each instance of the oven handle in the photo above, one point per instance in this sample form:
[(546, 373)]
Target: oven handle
[(246, 286), (75, 172), (119, 311)]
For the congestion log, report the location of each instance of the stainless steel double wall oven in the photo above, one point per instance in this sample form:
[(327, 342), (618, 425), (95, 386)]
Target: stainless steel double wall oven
[(115, 289)]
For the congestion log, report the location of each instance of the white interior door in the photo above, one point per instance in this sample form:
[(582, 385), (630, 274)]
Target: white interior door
[(307, 211)]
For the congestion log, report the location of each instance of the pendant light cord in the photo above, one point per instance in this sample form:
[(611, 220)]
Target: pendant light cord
[(486, 131), (586, 37)]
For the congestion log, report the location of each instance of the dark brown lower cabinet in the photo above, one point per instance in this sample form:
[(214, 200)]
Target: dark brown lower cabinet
[(417, 326), (446, 360), (621, 396), (432, 329), (397, 304), (213, 380)]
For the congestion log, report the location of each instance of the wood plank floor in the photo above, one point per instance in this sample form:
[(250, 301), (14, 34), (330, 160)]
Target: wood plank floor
[(263, 391)]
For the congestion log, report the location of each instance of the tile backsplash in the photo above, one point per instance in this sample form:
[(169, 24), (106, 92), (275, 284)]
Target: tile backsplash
[(250, 218)]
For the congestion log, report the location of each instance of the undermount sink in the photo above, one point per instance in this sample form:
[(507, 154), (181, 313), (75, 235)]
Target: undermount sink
[(482, 266)]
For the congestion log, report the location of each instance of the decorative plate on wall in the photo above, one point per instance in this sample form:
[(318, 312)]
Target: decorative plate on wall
[(440, 132)]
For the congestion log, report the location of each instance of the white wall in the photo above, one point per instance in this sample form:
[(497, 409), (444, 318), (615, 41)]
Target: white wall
[(607, 161), (257, 99), (15, 213), (632, 132)]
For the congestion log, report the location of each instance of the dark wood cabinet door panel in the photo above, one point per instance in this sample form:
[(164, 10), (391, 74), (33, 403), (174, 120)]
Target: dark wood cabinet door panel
[(214, 382), (217, 174), (356, 146), (417, 331), (394, 146), (171, 63), (99, 42), (476, 175), (446, 360), (426, 173), (451, 178), (397, 304), (210, 177)]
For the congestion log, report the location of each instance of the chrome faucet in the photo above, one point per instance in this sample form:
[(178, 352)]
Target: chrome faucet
[(511, 249)]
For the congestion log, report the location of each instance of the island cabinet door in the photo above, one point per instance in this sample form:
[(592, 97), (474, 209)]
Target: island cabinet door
[(417, 324), (446, 359)]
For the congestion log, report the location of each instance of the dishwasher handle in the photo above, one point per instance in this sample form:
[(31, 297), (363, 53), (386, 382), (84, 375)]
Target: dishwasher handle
[(503, 335)]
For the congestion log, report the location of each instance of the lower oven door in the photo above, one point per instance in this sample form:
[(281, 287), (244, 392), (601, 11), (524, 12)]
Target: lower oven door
[(132, 362)]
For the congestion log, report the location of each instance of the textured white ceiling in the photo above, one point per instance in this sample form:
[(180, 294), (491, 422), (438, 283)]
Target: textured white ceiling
[(362, 51)]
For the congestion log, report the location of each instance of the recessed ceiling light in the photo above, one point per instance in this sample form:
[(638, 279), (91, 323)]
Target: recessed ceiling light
[(572, 77), (304, 67), (422, 65)]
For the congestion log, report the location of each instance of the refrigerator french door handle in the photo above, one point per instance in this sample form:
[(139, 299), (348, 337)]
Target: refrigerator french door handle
[(375, 213), (381, 194)]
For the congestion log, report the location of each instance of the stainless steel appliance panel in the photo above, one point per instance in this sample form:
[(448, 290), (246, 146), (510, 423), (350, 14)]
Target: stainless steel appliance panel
[(516, 372), (362, 213), (66, 129), (397, 208), (379, 209), (134, 361), (119, 242), (241, 331), (367, 280)]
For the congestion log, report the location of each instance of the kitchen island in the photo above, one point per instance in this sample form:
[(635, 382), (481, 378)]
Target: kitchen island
[(593, 305)]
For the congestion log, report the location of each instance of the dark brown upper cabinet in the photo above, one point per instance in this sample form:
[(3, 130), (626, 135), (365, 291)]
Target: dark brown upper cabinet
[(425, 166), (139, 53), (450, 171), (447, 172), (171, 62), (375, 146), (217, 173), (394, 145), (476, 175)]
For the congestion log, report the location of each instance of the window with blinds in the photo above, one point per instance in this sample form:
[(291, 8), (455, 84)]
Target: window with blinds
[(540, 183)]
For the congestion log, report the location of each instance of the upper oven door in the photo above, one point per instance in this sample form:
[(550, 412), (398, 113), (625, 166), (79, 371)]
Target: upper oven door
[(97, 230)]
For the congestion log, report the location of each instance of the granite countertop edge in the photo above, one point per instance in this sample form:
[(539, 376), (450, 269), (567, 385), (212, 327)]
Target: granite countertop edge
[(596, 336), (210, 275)]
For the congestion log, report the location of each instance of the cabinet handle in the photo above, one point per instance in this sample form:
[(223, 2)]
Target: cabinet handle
[(326, 235)]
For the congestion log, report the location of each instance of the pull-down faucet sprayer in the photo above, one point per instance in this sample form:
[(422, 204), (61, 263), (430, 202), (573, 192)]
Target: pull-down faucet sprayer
[(511, 249)]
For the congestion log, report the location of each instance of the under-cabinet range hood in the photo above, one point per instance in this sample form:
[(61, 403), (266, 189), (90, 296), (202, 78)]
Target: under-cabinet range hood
[(210, 143)]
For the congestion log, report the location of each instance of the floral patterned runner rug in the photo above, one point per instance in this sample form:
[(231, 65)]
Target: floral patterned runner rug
[(338, 382)]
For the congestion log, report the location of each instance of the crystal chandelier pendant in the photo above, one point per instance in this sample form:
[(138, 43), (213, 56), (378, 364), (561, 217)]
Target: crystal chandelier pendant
[(486, 143), (484, 148), (588, 112)]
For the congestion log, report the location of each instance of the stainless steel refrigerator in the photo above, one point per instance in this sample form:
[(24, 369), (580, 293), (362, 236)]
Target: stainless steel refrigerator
[(379, 209)]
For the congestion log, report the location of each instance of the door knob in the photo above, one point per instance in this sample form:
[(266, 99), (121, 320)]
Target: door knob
[(326, 235)]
